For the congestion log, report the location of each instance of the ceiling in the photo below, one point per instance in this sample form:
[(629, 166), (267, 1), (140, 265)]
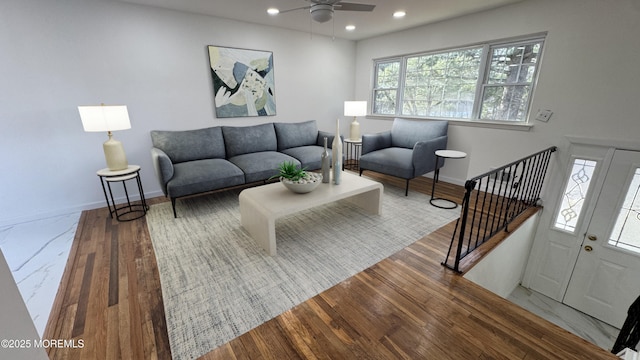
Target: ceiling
[(368, 24)]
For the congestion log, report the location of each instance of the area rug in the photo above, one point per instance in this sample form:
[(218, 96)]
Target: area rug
[(217, 283)]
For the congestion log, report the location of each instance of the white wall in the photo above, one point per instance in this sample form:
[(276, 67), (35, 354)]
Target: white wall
[(501, 270), (589, 75), (57, 55)]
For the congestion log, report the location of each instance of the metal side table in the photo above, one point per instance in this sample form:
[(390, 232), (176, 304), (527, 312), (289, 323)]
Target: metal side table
[(130, 210), (352, 149), (445, 154)]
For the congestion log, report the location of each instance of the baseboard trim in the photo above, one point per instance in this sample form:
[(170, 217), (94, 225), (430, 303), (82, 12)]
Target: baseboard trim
[(71, 209)]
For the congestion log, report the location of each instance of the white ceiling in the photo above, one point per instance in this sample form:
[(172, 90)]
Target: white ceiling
[(368, 24)]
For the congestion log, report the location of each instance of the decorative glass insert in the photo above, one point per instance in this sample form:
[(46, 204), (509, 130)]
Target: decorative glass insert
[(574, 194), (626, 232)]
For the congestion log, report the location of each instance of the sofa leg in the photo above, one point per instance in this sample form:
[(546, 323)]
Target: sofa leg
[(173, 205), (361, 170), (406, 190)]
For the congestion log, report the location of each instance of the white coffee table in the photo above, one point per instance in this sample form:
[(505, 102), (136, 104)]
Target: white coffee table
[(260, 206)]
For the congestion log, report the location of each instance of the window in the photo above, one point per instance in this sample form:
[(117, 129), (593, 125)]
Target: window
[(492, 81), (385, 91), (441, 85), (625, 231), (505, 92)]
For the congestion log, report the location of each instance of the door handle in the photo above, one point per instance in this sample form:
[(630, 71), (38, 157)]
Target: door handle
[(588, 248), (592, 237)]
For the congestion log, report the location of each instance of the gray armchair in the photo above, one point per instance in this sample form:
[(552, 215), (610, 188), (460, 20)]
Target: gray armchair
[(407, 150)]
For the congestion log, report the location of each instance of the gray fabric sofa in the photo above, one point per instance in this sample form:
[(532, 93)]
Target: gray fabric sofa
[(407, 150), (196, 161)]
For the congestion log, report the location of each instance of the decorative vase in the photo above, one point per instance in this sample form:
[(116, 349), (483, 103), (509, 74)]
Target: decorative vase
[(336, 152), (326, 164)]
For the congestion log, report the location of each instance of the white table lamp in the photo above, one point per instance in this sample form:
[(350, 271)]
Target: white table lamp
[(108, 118), (355, 108)]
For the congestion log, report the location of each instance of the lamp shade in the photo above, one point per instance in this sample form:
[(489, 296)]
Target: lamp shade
[(355, 108), (104, 118)]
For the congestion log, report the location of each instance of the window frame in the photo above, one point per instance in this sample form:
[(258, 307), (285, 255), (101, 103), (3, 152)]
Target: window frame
[(376, 88), (481, 84)]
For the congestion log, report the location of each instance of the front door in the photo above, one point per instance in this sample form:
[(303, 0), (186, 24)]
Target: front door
[(606, 276)]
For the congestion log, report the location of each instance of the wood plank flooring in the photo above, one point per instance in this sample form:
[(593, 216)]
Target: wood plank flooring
[(405, 307)]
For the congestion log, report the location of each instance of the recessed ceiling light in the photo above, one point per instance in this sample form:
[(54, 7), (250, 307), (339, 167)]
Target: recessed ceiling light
[(350, 27), (273, 11), (399, 14)]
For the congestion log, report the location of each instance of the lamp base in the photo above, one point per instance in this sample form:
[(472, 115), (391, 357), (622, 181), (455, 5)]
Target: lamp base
[(114, 154), (354, 134)]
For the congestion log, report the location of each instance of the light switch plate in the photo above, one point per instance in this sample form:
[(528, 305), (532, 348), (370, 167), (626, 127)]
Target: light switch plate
[(544, 115)]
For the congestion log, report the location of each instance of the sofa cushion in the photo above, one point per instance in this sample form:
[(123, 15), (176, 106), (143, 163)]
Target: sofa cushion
[(394, 161), (198, 176), (189, 145), (292, 135), (260, 166), (329, 136), (249, 139), (406, 133), (309, 156)]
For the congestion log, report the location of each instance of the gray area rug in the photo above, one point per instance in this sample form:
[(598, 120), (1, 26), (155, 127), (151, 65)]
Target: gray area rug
[(218, 284)]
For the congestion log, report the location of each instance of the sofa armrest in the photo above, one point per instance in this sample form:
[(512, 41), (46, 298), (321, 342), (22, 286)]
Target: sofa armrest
[(373, 142), (424, 157), (163, 167)]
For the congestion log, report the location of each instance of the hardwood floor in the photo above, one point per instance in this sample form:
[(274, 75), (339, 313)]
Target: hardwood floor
[(407, 306), (110, 295)]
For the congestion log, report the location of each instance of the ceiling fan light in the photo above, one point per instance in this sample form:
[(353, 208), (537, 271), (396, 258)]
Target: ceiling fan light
[(273, 11), (321, 13)]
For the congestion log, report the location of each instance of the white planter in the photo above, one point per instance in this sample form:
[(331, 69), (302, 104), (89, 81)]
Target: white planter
[(305, 185)]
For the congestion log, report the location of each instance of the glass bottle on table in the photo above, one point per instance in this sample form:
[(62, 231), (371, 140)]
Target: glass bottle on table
[(326, 164)]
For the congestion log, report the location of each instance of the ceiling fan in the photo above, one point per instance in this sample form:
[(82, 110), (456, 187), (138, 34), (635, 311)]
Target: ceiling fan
[(322, 10)]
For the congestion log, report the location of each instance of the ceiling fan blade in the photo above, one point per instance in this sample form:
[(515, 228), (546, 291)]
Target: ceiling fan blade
[(299, 8), (323, 2), (345, 6)]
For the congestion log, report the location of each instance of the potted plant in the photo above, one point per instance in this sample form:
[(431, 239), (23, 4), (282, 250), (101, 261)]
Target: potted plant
[(296, 179)]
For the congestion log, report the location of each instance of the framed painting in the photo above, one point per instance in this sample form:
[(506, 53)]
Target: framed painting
[(243, 82)]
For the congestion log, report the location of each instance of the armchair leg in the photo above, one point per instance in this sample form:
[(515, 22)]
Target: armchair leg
[(406, 191), (173, 205)]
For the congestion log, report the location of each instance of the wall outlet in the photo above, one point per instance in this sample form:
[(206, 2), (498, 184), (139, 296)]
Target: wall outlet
[(544, 115)]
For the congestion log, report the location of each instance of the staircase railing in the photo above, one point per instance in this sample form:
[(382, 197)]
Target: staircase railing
[(494, 199)]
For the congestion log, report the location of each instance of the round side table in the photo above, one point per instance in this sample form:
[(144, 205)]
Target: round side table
[(352, 153), (445, 154), (130, 211)]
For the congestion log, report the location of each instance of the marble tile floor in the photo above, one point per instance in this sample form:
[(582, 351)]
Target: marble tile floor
[(588, 328), (37, 253)]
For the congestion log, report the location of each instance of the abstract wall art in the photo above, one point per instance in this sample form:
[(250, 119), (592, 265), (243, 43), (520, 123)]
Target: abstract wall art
[(243, 82)]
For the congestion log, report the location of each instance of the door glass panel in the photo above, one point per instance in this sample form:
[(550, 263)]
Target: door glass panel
[(574, 194), (626, 231)]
